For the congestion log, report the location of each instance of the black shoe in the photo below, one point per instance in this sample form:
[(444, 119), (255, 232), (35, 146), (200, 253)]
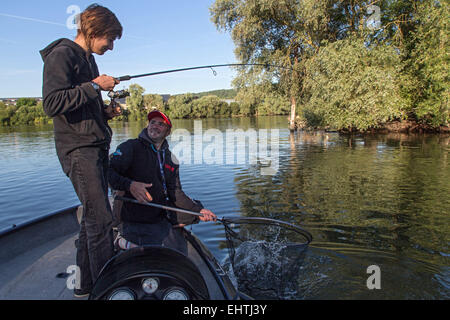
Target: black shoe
[(80, 293)]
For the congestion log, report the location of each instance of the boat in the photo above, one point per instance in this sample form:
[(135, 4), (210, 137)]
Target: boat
[(37, 262)]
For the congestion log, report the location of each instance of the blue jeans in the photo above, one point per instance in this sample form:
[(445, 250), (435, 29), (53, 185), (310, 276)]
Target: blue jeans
[(87, 169)]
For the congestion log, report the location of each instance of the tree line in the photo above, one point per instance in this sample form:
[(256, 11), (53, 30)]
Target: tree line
[(255, 102), (27, 111)]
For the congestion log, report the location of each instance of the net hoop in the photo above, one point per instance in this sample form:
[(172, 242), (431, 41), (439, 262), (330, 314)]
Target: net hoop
[(228, 222)]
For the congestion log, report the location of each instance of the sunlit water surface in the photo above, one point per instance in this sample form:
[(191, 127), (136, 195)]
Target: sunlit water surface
[(367, 200)]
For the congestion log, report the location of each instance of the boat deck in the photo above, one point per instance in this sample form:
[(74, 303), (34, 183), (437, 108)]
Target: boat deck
[(33, 275), (34, 253), (35, 257)]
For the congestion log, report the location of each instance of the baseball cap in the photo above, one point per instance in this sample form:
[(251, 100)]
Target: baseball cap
[(157, 113)]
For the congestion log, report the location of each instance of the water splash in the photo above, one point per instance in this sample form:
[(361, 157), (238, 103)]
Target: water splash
[(265, 270)]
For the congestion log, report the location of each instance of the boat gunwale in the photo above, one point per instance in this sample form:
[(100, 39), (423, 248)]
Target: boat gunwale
[(18, 227)]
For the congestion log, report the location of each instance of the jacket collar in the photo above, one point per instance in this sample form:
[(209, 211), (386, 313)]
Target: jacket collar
[(67, 43)]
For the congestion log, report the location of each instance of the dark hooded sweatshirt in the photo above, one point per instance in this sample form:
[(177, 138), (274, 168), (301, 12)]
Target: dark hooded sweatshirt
[(137, 160), (69, 97)]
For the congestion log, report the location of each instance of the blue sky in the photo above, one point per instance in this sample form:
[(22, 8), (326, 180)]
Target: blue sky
[(158, 35)]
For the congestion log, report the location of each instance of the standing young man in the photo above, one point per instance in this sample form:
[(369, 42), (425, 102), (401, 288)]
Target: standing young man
[(72, 96)]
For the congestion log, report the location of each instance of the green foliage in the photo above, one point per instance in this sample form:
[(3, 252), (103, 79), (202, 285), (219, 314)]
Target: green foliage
[(348, 71), (180, 106), (135, 101), (223, 93), (249, 98), (6, 112), (208, 107), (153, 101), (261, 100), (25, 112), (274, 104), (350, 85), (426, 79), (285, 33), (266, 31), (25, 102), (235, 108)]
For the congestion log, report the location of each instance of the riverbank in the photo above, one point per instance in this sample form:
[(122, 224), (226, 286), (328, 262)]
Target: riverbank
[(406, 126), (397, 126)]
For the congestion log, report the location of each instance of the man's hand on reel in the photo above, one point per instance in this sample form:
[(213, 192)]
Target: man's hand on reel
[(113, 110)]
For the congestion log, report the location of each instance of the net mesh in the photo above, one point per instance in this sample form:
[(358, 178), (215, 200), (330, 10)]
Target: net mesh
[(265, 255)]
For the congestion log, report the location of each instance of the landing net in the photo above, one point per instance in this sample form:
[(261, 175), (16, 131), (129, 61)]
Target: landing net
[(265, 255)]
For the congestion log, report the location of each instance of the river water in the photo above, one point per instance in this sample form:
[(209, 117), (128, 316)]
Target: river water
[(377, 200)]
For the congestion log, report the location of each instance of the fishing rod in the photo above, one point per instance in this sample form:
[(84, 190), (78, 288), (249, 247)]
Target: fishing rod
[(268, 66), (229, 222), (115, 95), (160, 206)]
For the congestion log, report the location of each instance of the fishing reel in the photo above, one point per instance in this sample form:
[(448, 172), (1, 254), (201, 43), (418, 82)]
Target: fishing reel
[(118, 94), (115, 95)]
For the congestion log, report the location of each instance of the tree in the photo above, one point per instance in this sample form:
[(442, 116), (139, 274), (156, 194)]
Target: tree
[(426, 80), (288, 33), (26, 102), (264, 32), (208, 107), (351, 85), (180, 106), (153, 101), (235, 109), (135, 102), (5, 114), (261, 100), (312, 37), (273, 104)]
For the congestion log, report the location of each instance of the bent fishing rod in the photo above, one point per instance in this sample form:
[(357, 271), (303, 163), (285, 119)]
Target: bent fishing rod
[(268, 66), (226, 221)]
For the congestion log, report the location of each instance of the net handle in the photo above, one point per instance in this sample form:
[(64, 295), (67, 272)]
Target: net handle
[(230, 220)]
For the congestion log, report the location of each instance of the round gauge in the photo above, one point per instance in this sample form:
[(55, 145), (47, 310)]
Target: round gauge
[(176, 294), (150, 285), (122, 294)]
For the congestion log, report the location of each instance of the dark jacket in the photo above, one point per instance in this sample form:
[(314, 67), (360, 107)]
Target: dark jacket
[(69, 97), (137, 160)]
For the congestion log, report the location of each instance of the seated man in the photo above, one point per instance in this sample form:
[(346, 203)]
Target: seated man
[(144, 169)]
